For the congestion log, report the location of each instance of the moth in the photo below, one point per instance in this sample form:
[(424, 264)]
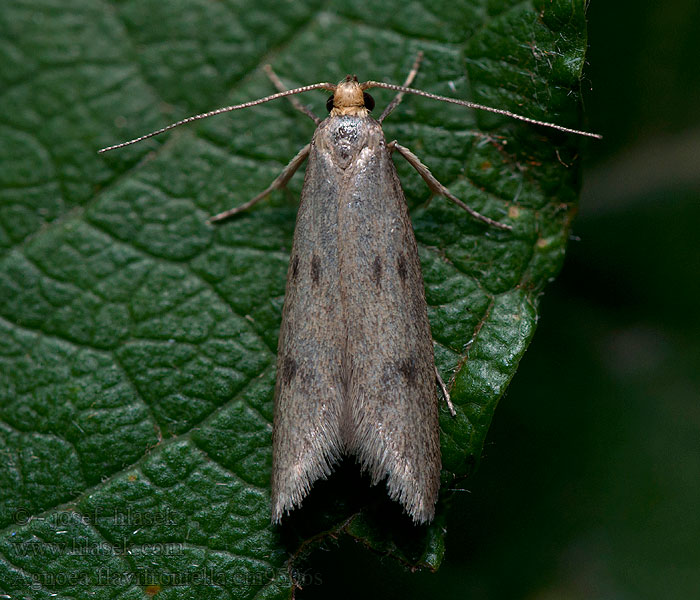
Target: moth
[(355, 368)]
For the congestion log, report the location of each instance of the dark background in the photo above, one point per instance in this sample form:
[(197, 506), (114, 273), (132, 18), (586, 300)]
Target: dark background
[(590, 483)]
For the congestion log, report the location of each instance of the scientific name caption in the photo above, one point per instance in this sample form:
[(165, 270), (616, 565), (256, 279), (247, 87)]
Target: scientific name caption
[(62, 535), (233, 578)]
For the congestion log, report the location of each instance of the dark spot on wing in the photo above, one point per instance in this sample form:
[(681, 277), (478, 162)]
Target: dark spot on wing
[(295, 268), (407, 368), (288, 369), (401, 267), (377, 271), (315, 269)]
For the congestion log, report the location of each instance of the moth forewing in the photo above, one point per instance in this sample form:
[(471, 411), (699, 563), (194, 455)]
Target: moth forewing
[(392, 423), (310, 352)]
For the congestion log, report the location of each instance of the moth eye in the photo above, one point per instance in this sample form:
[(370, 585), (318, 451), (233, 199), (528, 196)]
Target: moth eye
[(329, 103), (369, 101)]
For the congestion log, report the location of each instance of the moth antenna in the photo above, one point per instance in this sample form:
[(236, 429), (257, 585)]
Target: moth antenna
[(499, 111), (409, 80), (218, 111)]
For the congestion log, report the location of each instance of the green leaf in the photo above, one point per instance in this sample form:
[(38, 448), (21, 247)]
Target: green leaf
[(138, 354)]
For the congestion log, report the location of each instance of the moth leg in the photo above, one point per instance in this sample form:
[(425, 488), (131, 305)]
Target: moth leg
[(437, 188), (281, 180), (277, 82), (445, 393), (409, 80)]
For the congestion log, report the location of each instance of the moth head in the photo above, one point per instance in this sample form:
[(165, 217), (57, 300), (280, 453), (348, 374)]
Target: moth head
[(349, 99)]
